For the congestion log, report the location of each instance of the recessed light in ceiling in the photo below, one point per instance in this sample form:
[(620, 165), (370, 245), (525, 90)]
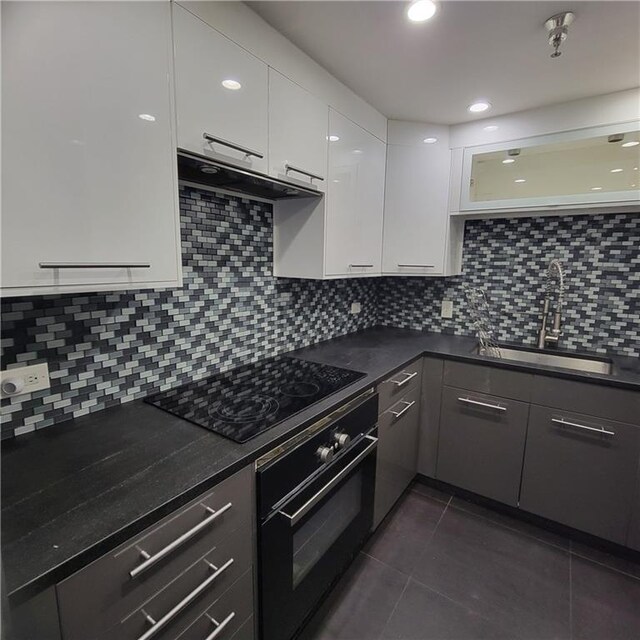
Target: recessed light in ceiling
[(358, 151), (596, 188), (631, 143), (421, 10), (617, 170), (479, 107), (430, 140), (520, 180), (490, 127), (508, 161), (147, 116), (233, 85), (207, 168), (333, 138)]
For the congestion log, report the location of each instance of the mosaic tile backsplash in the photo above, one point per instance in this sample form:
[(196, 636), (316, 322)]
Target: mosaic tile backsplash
[(105, 349), (508, 259)]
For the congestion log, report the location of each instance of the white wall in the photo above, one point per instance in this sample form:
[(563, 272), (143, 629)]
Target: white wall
[(245, 27)]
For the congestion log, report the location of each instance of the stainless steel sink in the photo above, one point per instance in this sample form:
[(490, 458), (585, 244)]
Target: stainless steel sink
[(575, 363)]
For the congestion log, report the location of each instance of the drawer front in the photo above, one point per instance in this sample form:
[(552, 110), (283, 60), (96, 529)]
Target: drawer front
[(397, 451), (504, 383), (233, 611), (102, 593), (582, 478), (481, 443), (621, 405), (192, 593), (395, 386)]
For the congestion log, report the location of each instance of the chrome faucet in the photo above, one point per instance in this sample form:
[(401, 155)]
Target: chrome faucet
[(555, 280)]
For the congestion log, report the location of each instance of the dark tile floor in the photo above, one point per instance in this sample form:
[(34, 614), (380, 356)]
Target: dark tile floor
[(441, 568)]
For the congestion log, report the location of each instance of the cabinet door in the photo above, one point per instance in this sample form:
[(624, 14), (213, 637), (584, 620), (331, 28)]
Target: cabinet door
[(416, 207), (87, 146), (355, 199), (298, 124), (397, 452), (221, 91), (579, 476), (481, 443)]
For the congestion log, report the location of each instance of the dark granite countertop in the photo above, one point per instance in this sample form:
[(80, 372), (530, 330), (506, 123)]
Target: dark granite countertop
[(71, 493)]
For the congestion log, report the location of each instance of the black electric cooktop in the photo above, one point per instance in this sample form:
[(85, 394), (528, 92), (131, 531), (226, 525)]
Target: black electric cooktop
[(242, 403)]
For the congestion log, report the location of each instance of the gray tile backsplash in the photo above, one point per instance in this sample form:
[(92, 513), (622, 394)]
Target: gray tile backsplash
[(104, 349)]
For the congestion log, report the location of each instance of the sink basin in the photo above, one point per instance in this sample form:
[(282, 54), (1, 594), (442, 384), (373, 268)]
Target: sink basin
[(563, 361)]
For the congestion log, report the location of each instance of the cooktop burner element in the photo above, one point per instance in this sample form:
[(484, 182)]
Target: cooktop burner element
[(242, 403)]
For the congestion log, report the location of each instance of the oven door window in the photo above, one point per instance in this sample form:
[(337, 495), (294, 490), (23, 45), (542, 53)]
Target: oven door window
[(321, 529)]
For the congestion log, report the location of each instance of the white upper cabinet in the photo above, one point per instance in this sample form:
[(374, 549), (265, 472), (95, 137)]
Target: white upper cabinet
[(89, 197), (221, 95), (355, 199), (297, 133), (416, 217)]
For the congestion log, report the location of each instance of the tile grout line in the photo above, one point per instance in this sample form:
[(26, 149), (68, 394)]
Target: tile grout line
[(395, 606), (604, 564)]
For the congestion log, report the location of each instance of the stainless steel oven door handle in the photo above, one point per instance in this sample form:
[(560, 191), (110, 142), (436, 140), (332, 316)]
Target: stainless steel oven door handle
[(295, 517)]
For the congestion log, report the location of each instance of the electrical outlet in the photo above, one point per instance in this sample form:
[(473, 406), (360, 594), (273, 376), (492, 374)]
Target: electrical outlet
[(356, 308), (23, 380), (446, 310)]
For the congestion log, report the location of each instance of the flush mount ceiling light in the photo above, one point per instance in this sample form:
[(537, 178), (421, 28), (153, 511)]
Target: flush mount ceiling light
[(421, 10), (479, 107), (232, 85), (596, 188), (558, 28), (631, 143), (617, 170), (207, 168), (520, 180), (490, 127), (147, 116), (430, 140), (508, 161), (333, 138)]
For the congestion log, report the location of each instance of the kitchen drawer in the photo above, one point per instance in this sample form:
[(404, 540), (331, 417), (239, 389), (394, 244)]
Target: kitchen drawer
[(395, 386), (485, 379), (579, 477), (397, 458), (102, 593), (481, 443), (232, 611), (622, 405), (229, 560)]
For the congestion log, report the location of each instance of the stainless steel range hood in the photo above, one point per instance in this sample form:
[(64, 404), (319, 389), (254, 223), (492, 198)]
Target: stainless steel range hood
[(217, 174)]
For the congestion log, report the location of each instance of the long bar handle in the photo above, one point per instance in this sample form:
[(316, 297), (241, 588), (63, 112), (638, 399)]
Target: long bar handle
[(566, 423), (361, 265), (187, 600), (94, 265), (232, 145), (219, 625), (409, 376), (311, 502), (151, 560), (488, 405), (397, 414), (418, 266), (313, 176)]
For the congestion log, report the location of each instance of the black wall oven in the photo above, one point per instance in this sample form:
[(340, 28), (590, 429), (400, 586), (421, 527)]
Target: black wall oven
[(315, 501)]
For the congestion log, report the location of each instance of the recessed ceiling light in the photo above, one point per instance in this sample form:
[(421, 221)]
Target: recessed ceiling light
[(207, 168), (631, 143), (617, 170), (490, 127), (421, 10), (479, 107), (430, 140), (357, 151), (596, 188), (233, 85), (508, 161), (520, 180), (635, 168), (147, 116), (335, 180), (333, 138)]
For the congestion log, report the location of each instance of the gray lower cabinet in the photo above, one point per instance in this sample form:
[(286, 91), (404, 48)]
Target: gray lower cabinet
[(397, 456), (481, 443), (430, 401), (581, 471)]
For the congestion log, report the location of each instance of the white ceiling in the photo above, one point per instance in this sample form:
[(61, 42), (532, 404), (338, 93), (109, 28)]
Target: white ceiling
[(498, 51)]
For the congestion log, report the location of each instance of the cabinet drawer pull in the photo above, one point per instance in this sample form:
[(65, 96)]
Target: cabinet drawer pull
[(361, 265), (418, 266), (219, 625), (313, 176), (397, 414), (150, 560), (94, 265), (187, 600), (409, 376), (477, 403), (566, 423), (232, 145)]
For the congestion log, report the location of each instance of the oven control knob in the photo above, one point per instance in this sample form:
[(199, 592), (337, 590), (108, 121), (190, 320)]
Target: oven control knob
[(325, 453), (341, 439)]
